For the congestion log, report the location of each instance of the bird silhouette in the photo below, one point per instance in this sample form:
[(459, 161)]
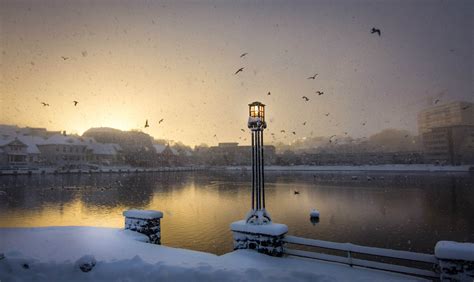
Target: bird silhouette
[(320, 92), (243, 55), (305, 98), (282, 131), (313, 77), (436, 101), (465, 108), (160, 121), (243, 130), (75, 102), (64, 58), (146, 124), (376, 30), (296, 192), (239, 70), (304, 123), (269, 93), (327, 114), (294, 133), (45, 104)]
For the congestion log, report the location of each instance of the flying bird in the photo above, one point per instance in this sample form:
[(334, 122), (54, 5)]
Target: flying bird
[(327, 114), (243, 55), (75, 102), (239, 70), (243, 130), (160, 121), (376, 30), (269, 93), (282, 131), (146, 124), (465, 107), (313, 77), (305, 98), (64, 58), (45, 104), (304, 123), (320, 92), (436, 101), (294, 133)]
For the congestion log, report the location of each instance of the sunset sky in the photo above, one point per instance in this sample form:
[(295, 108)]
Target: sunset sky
[(128, 61)]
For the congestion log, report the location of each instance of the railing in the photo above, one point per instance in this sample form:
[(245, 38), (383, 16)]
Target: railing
[(350, 249)]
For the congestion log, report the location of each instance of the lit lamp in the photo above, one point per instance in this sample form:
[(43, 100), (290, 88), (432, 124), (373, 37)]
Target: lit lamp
[(256, 123)]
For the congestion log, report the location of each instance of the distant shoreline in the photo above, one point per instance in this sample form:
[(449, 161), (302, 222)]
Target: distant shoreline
[(297, 168), (348, 168)]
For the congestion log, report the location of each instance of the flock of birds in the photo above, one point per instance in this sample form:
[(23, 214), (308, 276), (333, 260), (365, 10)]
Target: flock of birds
[(305, 98), (374, 30)]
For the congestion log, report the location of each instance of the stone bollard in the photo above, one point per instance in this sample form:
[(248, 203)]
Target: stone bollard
[(456, 261), (146, 222), (264, 238)]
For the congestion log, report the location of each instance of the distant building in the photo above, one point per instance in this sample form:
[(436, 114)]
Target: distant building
[(232, 154), (449, 145), (60, 149), (165, 155), (13, 153), (454, 113), (105, 154), (448, 133)]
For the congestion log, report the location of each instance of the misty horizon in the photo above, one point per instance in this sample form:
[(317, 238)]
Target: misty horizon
[(149, 61)]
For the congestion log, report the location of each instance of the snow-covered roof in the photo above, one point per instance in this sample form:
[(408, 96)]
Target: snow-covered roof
[(160, 148), (31, 142), (69, 140), (104, 149)]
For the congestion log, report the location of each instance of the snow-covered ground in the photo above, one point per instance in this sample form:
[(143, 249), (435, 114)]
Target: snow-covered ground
[(59, 253), (387, 168)]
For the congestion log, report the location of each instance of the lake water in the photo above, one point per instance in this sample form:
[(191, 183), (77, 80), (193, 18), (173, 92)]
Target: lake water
[(406, 211)]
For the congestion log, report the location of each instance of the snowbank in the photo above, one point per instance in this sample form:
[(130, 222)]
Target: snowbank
[(454, 250), (269, 229), (108, 254)]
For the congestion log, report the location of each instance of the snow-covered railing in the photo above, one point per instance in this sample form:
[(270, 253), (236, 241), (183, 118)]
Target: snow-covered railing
[(351, 249)]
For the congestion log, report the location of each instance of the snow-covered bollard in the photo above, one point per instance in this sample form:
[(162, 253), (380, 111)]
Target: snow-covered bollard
[(264, 238), (314, 213), (146, 222), (456, 260)]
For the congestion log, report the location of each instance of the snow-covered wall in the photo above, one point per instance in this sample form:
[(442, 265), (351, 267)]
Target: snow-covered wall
[(146, 222), (456, 260)]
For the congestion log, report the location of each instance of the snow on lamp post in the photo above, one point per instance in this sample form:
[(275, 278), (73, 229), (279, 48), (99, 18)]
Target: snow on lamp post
[(257, 231), (256, 123)]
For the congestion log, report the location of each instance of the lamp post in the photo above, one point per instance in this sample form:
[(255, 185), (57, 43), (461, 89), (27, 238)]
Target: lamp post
[(257, 231), (256, 123)]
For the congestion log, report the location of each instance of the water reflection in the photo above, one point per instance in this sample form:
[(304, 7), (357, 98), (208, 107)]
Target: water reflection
[(402, 211)]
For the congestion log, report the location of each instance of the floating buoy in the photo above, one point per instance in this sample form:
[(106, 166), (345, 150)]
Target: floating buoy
[(314, 213)]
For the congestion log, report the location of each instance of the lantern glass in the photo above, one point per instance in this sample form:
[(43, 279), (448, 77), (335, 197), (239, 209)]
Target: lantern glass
[(257, 110)]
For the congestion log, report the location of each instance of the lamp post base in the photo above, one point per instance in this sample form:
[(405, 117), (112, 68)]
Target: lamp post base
[(258, 217), (264, 238)]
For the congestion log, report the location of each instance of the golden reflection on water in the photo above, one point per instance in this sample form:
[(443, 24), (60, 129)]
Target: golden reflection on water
[(198, 209)]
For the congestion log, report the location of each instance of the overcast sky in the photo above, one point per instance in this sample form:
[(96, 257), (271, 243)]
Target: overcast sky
[(128, 61)]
